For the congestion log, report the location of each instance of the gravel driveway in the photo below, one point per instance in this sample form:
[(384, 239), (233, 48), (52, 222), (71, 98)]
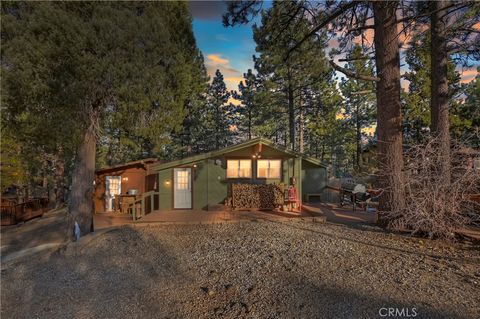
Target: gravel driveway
[(293, 269)]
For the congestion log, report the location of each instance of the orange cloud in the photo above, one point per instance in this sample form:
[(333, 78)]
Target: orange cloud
[(367, 36), (232, 82), (233, 101), (232, 76), (370, 131), (468, 75), (216, 59)]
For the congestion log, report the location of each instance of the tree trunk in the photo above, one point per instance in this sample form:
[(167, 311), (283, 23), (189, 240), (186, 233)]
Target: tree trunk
[(358, 131), (249, 123), (81, 197), (45, 192), (439, 84), (389, 119), (291, 117), (59, 180), (301, 146)]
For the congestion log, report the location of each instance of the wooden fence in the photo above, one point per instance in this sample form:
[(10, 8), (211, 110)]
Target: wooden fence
[(12, 213)]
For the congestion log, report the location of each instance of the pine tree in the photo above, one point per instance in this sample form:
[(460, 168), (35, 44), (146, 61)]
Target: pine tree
[(416, 102), (292, 76), (247, 111), (89, 65), (218, 116), (465, 119), (359, 106)]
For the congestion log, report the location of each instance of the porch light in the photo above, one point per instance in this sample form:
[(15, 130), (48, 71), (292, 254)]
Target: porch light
[(194, 165), (125, 179), (254, 156), (167, 182)]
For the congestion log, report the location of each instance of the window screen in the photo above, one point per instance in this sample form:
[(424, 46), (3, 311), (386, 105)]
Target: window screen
[(239, 168), (269, 168)]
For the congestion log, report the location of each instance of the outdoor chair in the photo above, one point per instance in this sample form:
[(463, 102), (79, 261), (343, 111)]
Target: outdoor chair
[(373, 201)]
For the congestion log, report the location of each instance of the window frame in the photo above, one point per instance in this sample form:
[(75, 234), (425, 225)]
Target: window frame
[(238, 168), (268, 169)]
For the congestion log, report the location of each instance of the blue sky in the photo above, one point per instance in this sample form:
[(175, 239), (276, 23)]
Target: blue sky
[(228, 49), (231, 49)]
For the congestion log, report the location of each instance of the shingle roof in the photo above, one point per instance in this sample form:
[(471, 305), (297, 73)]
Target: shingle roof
[(235, 147)]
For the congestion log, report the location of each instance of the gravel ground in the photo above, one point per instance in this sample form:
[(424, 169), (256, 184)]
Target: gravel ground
[(294, 269)]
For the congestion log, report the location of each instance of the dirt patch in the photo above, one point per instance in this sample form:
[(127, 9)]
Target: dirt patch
[(292, 269)]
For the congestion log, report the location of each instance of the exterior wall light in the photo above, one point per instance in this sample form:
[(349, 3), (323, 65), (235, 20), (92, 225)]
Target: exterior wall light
[(125, 179), (167, 182)]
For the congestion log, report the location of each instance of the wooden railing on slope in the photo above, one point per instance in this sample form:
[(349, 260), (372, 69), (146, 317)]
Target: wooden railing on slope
[(12, 214)]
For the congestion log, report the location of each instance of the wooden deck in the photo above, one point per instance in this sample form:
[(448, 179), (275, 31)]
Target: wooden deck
[(341, 215)]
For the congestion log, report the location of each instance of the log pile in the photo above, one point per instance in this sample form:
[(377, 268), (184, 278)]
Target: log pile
[(252, 196)]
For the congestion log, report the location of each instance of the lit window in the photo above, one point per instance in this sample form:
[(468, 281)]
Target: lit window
[(113, 185), (269, 168), (239, 168), (182, 180)]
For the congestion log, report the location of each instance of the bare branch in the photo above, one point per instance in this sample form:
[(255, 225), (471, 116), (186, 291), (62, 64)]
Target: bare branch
[(352, 74), (361, 92), (355, 59), (323, 24), (405, 19), (361, 28)]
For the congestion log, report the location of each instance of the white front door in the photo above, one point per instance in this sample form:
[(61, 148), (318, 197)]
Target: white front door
[(113, 187), (182, 188)]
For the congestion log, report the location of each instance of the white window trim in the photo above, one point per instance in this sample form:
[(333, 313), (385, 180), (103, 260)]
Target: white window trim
[(238, 167), (268, 168)]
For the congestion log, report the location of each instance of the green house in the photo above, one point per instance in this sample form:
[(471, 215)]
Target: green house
[(203, 182)]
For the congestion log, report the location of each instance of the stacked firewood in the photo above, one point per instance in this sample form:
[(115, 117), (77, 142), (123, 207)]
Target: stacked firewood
[(252, 196)]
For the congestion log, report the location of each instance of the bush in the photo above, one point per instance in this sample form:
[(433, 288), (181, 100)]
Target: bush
[(437, 205)]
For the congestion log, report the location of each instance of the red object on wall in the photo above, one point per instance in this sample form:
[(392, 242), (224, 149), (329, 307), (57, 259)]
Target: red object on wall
[(293, 198), (292, 194)]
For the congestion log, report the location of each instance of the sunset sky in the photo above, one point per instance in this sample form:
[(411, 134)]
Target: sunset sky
[(231, 49)]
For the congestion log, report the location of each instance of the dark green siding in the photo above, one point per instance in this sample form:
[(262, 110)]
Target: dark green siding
[(200, 177), (164, 190), (314, 179), (217, 187), (211, 186)]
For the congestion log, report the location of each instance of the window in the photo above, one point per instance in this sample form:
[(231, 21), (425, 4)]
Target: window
[(239, 168), (269, 168), (113, 185), (182, 180)]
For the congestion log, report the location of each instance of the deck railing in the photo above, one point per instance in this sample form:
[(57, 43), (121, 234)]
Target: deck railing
[(12, 214), (147, 203)]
